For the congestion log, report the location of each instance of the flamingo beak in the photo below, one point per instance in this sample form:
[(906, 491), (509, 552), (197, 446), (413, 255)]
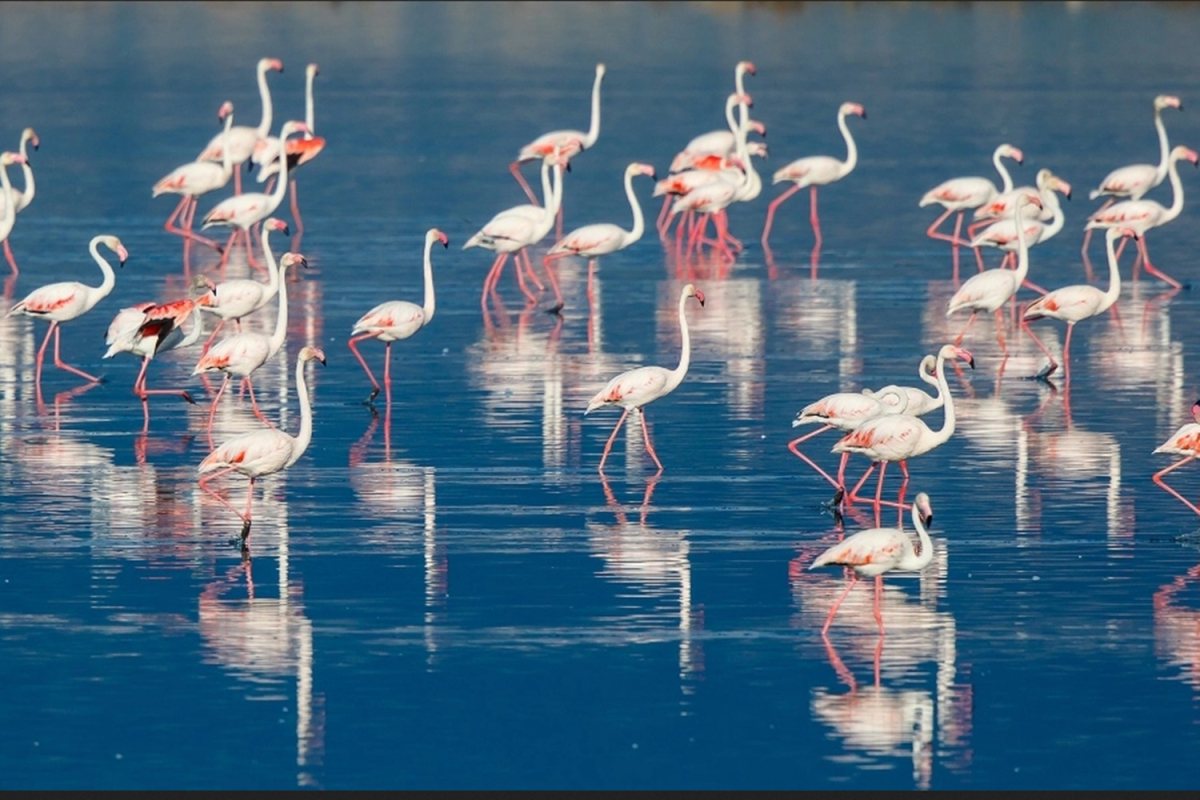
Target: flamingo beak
[(700, 297), (444, 239)]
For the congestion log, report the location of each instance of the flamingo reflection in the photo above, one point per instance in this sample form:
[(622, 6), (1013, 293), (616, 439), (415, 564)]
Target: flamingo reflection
[(1177, 625)]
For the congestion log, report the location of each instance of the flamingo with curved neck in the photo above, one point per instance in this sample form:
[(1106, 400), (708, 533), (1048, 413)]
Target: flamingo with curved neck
[(635, 388), (8, 215), (234, 299), (242, 138), (297, 152), (192, 180)]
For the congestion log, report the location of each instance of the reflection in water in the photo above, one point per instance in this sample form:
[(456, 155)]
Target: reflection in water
[(656, 565), (819, 319), (1177, 625)]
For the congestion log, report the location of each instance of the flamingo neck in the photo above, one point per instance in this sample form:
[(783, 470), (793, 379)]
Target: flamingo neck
[(1164, 149), (943, 434), (639, 223), (1022, 252), (1114, 278), (197, 327), (912, 561), (30, 186), (556, 195), (1177, 192), (264, 94), (547, 187), (276, 196), (97, 293), (752, 181), (10, 205), (226, 158), (430, 304), (851, 148), (734, 126), (739, 76), (593, 132), (1050, 198), (304, 436), (685, 355), (1003, 170), (309, 116), (281, 321), (272, 265)]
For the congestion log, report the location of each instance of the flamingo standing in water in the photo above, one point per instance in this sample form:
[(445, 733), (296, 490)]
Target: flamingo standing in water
[(1184, 442), (262, 452), (235, 298), (65, 301), (1142, 215), (22, 198), (194, 179), (396, 319), (242, 138), (243, 211), (917, 401), (297, 151), (1002, 233), (875, 551), (720, 142), (814, 171), (963, 194), (899, 437), (1135, 180), (8, 215), (1074, 303), (602, 238), (243, 353), (844, 411), (635, 388)]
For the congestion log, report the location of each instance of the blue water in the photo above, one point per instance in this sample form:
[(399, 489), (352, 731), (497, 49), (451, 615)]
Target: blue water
[(444, 592)]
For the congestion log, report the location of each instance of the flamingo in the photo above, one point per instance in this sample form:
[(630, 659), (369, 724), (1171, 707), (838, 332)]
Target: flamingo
[(990, 290), (1003, 232), (844, 411), (241, 139), (235, 298), (635, 388), (720, 142), (194, 179), (1135, 180), (298, 151), (815, 171), (916, 401), (22, 198), (1074, 303), (567, 143), (8, 215), (961, 194), (244, 210), (899, 437), (878, 550), (1142, 215), (65, 301), (396, 319), (1184, 442), (243, 353), (262, 452), (602, 238)]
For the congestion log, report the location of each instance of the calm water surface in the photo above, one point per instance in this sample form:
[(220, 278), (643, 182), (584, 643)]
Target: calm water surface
[(443, 592)]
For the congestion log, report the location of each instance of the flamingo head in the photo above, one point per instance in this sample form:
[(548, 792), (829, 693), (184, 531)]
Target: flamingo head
[(1025, 199), (1061, 186), (929, 366), (290, 127), (1196, 411), (758, 128), (757, 149), (7, 158), (950, 351), (641, 169), (741, 99), (202, 285), (745, 67), (1185, 153), (924, 509), (1008, 151), (114, 244), (312, 354), (265, 64), (30, 135), (311, 71), (436, 235), (600, 70), (290, 259), (852, 108), (225, 110), (207, 297), (272, 224), (691, 291), (1167, 101)]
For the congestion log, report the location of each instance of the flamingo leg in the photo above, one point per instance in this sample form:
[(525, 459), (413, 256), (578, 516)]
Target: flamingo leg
[(249, 501), (518, 268), (515, 169), (254, 403), (1038, 342), (353, 343), (771, 210), (663, 223), (244, 517), (12, 262), (1087, 234), (41, 353), (212, 413), (1067, 355), (208, 342), (608, 445), (489, 282), (58, 362), (837, 604), (186, 210), (813, 217), (963, 332), (794, 447), (295, 213), (387, 373), (646, 436), (1158, 478), (558, 296), (1000, 331), (1153, 270), (878, 594), (524, 253), (139, 386), (853, 495)]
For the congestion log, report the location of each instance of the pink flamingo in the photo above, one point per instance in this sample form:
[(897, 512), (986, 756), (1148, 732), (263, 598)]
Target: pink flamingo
[(1184, 442), (8, 215), (844, 411), (1142, 215), (297, 151), (720, 142), (243, 211), (1135, 180), (243, 353), (262, 452), (22, 198), (1002, 233), (815, 171), (235, 298), (962, 194), (1074, 303), (602, 238), (241, 139), (899, 437), (65, 301), (396, 319), (194, 179), (875, 551), (635, 388)]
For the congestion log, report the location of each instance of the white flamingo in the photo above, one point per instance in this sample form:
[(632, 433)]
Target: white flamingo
[(242, 138)]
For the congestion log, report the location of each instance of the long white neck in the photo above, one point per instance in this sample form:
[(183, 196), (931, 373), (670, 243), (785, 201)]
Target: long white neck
[(30, 187), (752, 181), (430, 305), (281, 321), (272, 265), (685, 356), (305, 434), (733, 124), (264, 94), (739, 75), (10, 204), (593, 132), (547, 187), (913, 561), (944, 433), (226, 153), (1022, 253), (851, 148), (1057, 218), (110, 279), (555, 195), (743, 154), (276, 196), (639, 224), (308, 106), (1114, 278), (1164, 149), (1177, 189), (1003, 170), (197, 327)]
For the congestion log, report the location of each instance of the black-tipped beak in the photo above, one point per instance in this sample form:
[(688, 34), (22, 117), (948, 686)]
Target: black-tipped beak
[(927, 520), (446, 244), (286, 231), (864, 114), (323, 364), (568, 167), (971, 362)]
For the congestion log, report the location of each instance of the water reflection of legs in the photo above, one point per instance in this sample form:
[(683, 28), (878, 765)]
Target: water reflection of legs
[(1158, 478)]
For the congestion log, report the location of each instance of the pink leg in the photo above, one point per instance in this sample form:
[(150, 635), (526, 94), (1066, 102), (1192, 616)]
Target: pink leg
[(1158, 478), (663, 221), (186, 210), (515, 169), (208, 342), (250, 259), (794, 446), (387, 373), (244, 517), (41, 353), (295, 214), (212, 412), (816, 220), (488, 282), (646, 436), (139, 386), (963, 332), (58, 362), (524, 254), (354, 340), (591, 294), (853, 495), (237, 179), (1087, 234), (1153, 270), (613, 436), (1067, 356), (12, 262), (771, 210), (1042, 347), (518, 268), (878, 593), (1000, 331), (838, 603), (254, 403)]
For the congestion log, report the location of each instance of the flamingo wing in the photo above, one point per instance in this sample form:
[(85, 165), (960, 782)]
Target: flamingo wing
[(886, 438), (399, 317), (878, 548), (633, 388), (256, 453), (1070, 303), (591, 240), (985, 291), (961, 193), (809, 170), (1132, 181), (57, 299)]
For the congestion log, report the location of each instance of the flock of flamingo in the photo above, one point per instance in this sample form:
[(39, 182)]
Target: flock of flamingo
[(712, 172)]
